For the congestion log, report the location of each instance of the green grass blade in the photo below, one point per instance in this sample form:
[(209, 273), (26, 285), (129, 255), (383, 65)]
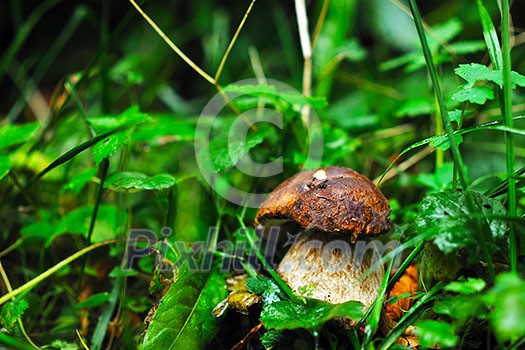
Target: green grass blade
[(413, 254), (491, 36), (77, 150), (458, 159), (509, 137)]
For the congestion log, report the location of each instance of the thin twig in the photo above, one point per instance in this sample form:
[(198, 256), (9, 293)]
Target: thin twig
[(304, 36), (232, 42), (416, 158), (174, 47)]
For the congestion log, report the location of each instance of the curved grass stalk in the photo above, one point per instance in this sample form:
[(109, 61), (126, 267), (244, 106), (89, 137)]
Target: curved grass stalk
[(35, 281)]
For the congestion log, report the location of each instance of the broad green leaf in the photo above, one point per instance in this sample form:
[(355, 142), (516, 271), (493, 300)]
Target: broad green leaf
[(415, 107), (272, 93), (11, 134), (311, 315), (77, 183), (476, 72), (473, 94), (222, 154), (62, 345), (110, 221), (129, 180), (265, 287), (5, 166), (93, 301), (446, 217), (183, 319), (461, 307), (352, 50), (165, 129), (107, 147), (11, 312), (470, 286), (129, 118), (432, 332), (507, 299)]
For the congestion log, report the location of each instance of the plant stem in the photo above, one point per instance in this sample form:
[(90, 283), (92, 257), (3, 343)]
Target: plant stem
[(458, 160), (509, 137), (32, 283)]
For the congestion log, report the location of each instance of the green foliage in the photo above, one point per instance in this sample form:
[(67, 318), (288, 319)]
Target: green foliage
[(183, 319), (134, 180), (311, 315), (11, 312), (12, 135), (432, 333), (446, 218)]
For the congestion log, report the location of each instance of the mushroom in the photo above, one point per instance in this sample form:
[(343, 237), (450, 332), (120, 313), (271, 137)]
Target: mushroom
[(332, 207)]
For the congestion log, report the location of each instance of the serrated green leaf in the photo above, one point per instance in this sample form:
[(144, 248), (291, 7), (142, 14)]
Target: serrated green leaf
[(432, 332), (129, 118), (470, 286), (11, 135), (184, 318), (445, 216), (93, 301), (476, 72), (265, 287), (311, 315), (5, 166), (128, 180), (222, 154), (12, 311), (473, 94), (507, 300)]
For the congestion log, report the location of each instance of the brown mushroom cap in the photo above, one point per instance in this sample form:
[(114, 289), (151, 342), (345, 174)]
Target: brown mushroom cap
[(329, 199)]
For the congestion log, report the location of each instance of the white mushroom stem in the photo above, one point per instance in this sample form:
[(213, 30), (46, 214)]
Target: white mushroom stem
[(329, 267)]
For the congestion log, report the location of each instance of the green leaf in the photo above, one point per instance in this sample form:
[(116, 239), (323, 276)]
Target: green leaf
[(12, 311), (93, 301), (311, 315), (445, 216), (118, 271), (5, 166), (129, 118), (476, 72), (470, 286), (415, 107), (432, 332), (165, 129), (507, 299), (62, 345), (271, 93), (265, 287), (222, 154), (11, 134), (77, 183), (473, 94), (110, 221), (128, 180), (183, 319), (461, 308)]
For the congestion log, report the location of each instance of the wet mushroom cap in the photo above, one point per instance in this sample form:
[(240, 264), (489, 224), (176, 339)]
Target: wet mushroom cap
[(330, 199)]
